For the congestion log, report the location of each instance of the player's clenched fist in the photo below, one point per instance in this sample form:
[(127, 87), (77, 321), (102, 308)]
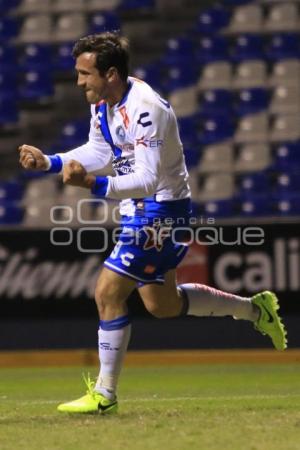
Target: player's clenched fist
[(76, 175), (32, 158)]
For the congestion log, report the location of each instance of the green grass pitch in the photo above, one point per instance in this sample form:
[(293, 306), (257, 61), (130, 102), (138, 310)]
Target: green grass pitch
[(203, 407)]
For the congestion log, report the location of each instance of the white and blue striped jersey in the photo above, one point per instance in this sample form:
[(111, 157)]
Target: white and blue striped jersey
[(136, 143)]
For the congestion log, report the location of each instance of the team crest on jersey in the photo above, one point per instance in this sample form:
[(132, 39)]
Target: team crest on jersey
[(120, 132)]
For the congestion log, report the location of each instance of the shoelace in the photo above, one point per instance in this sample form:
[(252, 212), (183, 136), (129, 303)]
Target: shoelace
[(89, 384)]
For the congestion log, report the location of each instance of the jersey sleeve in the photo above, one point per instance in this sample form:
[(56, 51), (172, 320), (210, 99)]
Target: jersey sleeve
[(95, 155), (148, 131)]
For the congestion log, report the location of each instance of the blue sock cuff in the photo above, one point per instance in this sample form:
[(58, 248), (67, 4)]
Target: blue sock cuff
[(116, 324), (56, 163)]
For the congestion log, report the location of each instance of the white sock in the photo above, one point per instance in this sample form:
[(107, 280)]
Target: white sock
[(206, 301), (113, 340)]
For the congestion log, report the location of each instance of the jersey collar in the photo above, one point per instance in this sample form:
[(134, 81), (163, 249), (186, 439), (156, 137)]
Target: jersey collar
[(124, 98)]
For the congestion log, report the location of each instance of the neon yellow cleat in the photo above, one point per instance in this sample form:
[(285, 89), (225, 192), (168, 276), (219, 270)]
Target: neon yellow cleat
[(91, 403), (269, 322)]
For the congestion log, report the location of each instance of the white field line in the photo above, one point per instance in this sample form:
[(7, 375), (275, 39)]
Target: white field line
[(170, 399)]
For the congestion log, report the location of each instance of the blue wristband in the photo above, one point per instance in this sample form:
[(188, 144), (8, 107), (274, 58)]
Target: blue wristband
[(100, 186), (55, 163)]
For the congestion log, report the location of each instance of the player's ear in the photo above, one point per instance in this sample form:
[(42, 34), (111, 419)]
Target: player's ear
[(111, 74)]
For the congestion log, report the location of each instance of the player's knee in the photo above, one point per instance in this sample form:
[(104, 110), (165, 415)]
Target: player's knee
[(107, 295), (158, 311)]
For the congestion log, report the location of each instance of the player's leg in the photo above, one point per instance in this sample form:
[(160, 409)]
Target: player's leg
[(112, 291), (111, 295), (164, 300), (260, 309), (171, 300), (196, 299)]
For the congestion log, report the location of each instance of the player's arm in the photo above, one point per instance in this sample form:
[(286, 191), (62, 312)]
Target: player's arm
[(148, 131), (93, 156)]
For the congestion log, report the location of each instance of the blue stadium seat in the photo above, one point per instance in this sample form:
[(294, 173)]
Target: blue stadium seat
[(151, 74), (179, 51), (36, 57), (287, 204), (216, 102), (287, 156), (104, 21), (253, 183), (251, 101), (63, 59), (188, 127), (211, 49), (8, 84), (9, 27), (256, 205), (177, 77), (37, 86), (6, 5), (216, 129), (10, 214), (11, 190), (8, 58), (247, 47), (212, 20), (192, 155), (287, 182), (283, 46), (73, 134), (219, 208), (9, 111)]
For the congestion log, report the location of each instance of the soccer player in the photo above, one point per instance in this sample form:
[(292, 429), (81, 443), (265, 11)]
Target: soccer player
[(134, 131)]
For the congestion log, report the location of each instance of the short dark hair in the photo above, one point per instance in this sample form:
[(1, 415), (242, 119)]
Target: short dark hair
[(111, 49)]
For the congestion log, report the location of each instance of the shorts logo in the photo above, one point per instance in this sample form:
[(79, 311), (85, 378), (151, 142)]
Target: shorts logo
[(149, 269), (120, 132)]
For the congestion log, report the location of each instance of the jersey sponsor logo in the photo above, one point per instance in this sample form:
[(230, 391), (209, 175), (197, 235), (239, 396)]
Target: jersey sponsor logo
[(122, 165), (126, 147), (152, 143), (120, 132), (143, 121)]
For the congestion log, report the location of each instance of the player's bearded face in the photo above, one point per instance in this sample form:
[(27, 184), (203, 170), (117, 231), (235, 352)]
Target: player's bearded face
[(89, 79)]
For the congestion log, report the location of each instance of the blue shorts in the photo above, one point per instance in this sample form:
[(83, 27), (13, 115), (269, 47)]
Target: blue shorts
[(146, 252)]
